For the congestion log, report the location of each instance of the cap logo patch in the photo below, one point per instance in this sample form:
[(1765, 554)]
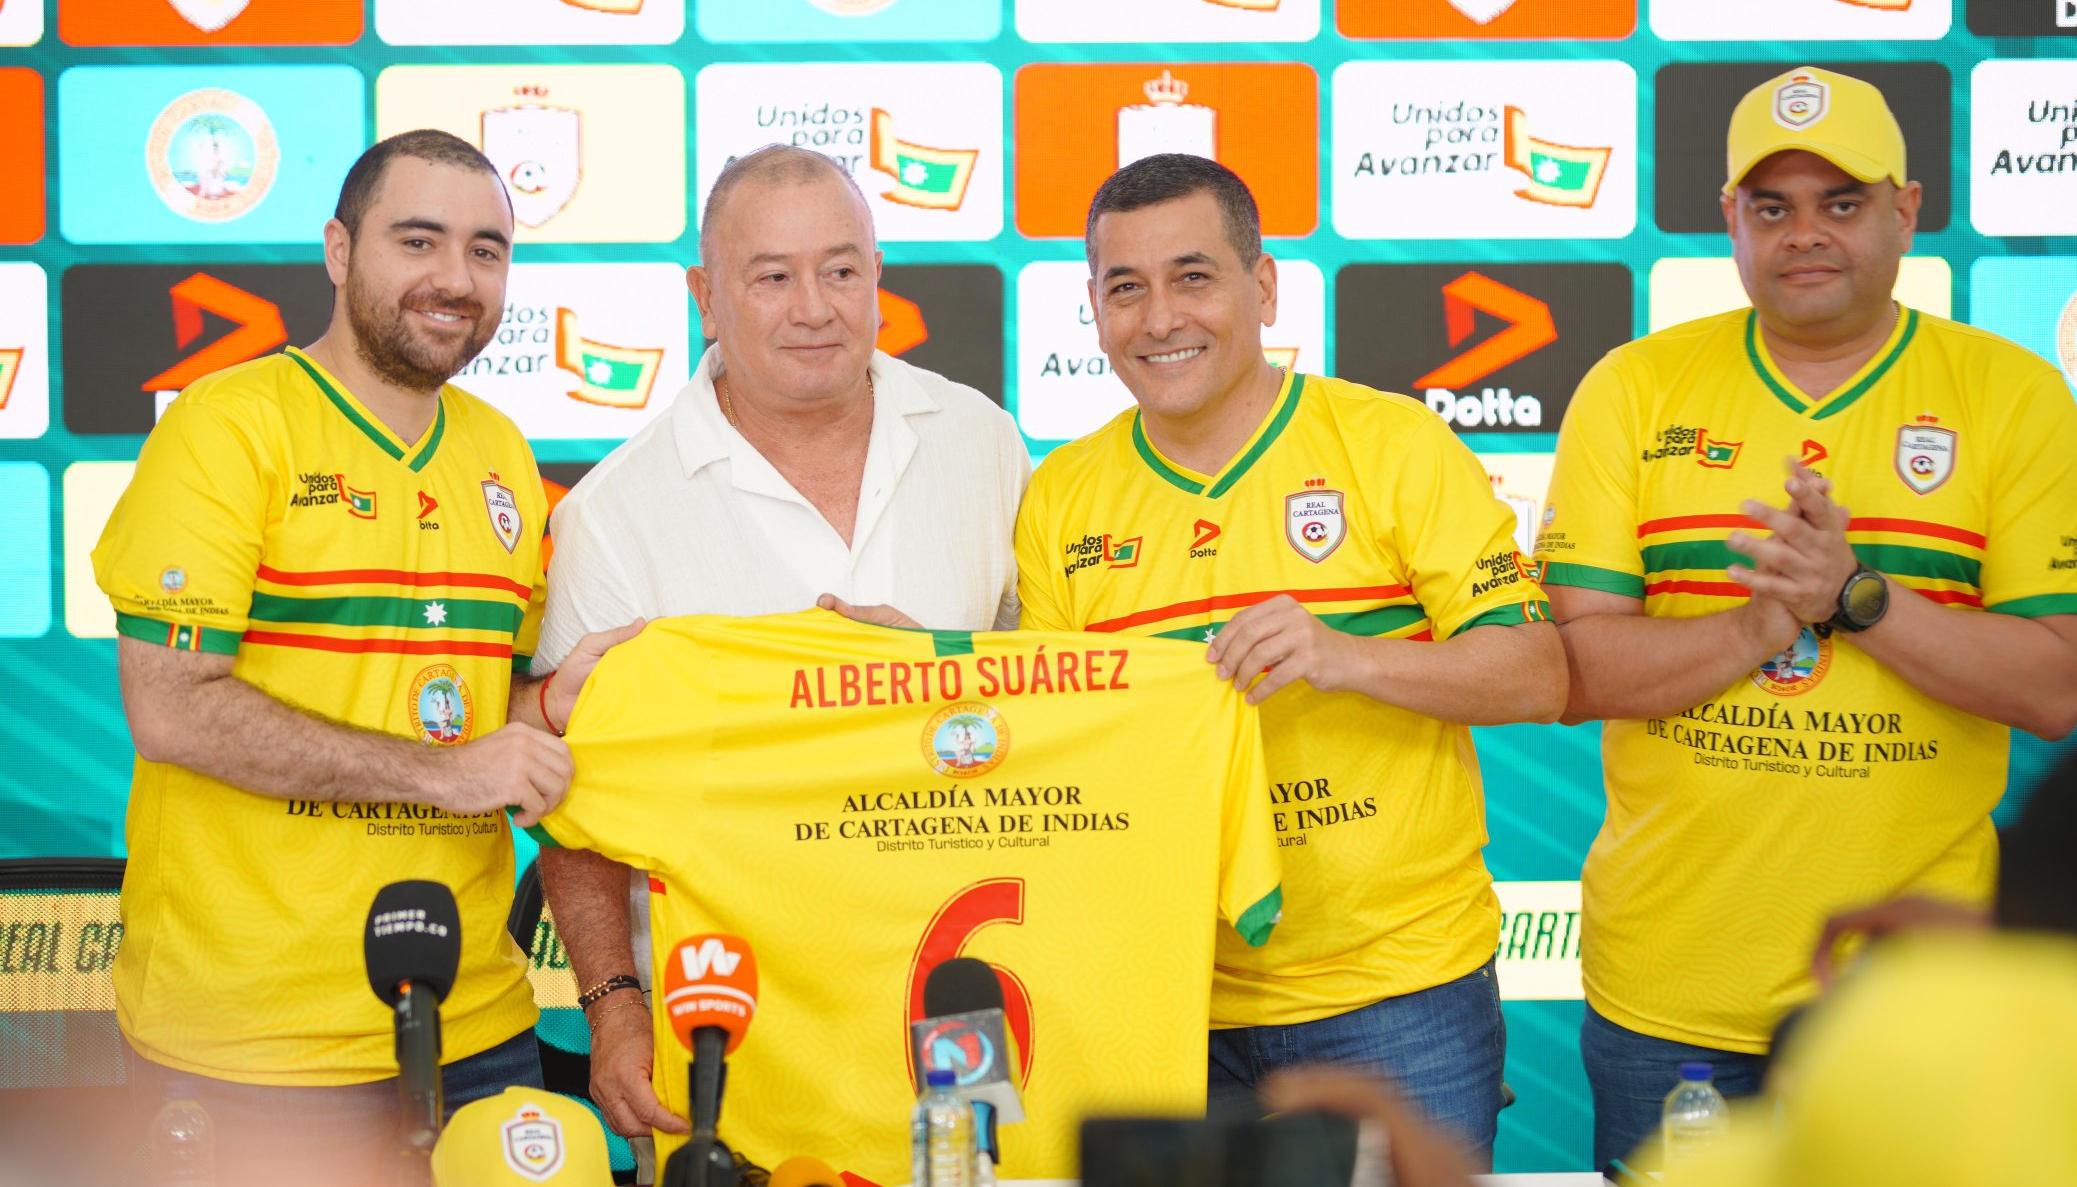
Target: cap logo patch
[(1801, 102)]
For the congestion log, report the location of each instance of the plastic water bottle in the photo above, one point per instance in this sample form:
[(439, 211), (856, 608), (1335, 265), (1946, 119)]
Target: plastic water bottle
[(941, 1134), (1695, 1117), (183, 1145)]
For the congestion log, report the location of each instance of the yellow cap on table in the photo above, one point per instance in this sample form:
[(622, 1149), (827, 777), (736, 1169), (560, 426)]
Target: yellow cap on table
[(522, 1135), (1842, 119)]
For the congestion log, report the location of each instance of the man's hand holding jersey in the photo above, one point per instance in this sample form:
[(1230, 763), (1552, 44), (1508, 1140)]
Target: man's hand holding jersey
[(1477, 677), (182, 705)]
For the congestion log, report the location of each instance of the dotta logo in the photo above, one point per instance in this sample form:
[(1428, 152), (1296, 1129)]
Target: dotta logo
[(1515, 150), (143, 332), (1529, 328), (1489, 348)]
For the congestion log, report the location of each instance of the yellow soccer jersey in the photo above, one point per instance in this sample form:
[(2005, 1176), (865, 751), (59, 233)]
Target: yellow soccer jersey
[(1364, 507), (387, 584), (1822, 781), (860, 803)]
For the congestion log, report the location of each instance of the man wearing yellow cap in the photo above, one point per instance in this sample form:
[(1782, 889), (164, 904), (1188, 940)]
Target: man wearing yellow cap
[(1807, 706)]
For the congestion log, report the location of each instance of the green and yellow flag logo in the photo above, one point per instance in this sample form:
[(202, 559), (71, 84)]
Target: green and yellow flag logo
[(933, 178), (615, 376), (359, 503), (1559, 174), (1717, 455)]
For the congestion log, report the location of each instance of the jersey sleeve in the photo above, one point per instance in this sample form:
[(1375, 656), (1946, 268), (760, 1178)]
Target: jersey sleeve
[(1041, 588), (1251, 893), (1589, 536), (528, 640), (2030, 552), (631, 763), (181, 551), (1457, 540)]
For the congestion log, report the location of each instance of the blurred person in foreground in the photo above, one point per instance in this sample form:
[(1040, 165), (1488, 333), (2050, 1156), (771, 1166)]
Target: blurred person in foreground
[(1945, 1061)]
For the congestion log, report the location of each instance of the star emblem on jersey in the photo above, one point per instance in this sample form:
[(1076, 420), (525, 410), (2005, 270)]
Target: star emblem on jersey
[(503, 510), (1313, 522), (436, 613), (1925, 454)]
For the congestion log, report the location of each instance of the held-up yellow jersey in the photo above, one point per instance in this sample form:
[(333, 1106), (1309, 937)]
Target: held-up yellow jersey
[(1822, 781), (861, 803), (1365, 508), (390, 585)]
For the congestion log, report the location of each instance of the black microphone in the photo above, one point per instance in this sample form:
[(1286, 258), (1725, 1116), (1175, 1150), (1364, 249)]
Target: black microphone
[(964, 1029), (413, 946)]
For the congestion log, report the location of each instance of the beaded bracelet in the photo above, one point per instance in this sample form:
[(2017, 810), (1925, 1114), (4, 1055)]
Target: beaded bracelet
[(597, 993)]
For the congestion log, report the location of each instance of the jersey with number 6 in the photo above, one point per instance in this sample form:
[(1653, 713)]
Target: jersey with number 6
[(386, 584), (861, 803), (1823, 780), (1363, 507)]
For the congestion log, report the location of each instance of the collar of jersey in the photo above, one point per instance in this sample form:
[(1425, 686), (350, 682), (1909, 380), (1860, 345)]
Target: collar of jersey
[(1868, 376), (413, 455), (1213, 486)]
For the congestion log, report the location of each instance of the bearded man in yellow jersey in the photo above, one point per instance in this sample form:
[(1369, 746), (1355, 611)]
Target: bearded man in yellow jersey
[(325, 572), (1807, 699), (1342, 555)]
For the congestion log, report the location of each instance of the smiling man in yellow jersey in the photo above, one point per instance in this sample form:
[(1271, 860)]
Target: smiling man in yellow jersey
[(325, 572), (1808, 708), (1341, 546)]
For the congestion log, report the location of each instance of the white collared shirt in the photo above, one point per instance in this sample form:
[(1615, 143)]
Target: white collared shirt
[(686, 517)]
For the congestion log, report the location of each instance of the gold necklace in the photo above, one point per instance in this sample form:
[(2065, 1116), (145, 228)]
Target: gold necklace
[(728, 407)]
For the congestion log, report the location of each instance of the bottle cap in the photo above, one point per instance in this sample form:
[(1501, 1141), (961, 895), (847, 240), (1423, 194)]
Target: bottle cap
[(1696, 1071), (944, 1077)]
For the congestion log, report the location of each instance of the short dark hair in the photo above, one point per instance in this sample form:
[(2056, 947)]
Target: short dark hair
[(364, 180), (1165, 177)]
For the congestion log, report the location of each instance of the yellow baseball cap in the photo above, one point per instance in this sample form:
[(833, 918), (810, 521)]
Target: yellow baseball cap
[(1944, 1061), (1844, 120), (522, 1136)]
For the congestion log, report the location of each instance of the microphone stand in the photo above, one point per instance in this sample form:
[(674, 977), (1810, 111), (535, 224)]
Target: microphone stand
[(704, 1161)]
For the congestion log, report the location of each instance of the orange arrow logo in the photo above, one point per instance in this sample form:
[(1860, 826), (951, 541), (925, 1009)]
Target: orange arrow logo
[(901, 325), (259, 329), (1529, 329), (1207, 531), (1813, 452)]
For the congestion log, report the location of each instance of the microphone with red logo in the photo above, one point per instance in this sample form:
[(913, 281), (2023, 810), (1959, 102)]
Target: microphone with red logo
[(710, 992)]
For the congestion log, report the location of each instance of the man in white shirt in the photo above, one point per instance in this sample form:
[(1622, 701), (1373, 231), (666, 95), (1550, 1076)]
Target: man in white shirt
[(799, 466)]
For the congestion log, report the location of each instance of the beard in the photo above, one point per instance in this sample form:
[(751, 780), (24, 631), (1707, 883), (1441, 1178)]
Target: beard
[(390, 348)]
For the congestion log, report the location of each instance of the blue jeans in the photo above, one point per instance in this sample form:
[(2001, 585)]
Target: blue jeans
[(1443, 1047), (345, 1136), (1631, 1074)]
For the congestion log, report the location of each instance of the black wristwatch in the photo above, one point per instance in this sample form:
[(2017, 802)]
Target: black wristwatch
[(1862, 602)]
